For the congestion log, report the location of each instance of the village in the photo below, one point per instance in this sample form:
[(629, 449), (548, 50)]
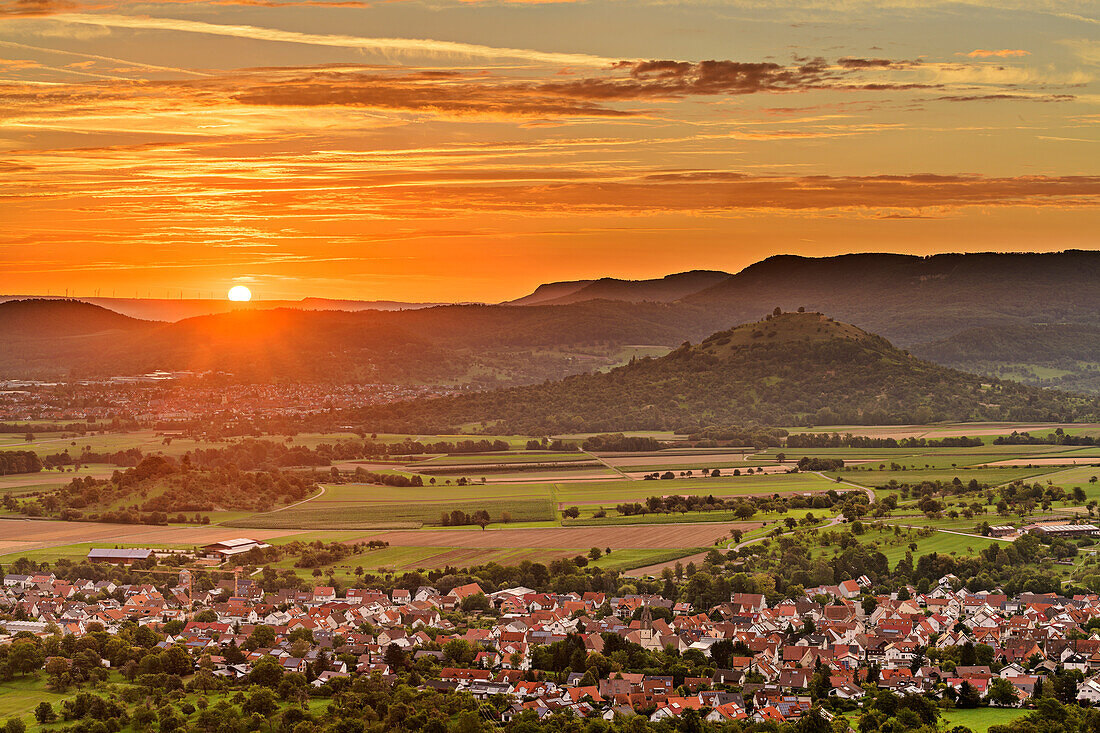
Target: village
[(835, 646)]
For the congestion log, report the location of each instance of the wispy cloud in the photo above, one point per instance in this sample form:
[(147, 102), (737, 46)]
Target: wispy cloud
[(385, 47), (1003, 53), (109, 59)]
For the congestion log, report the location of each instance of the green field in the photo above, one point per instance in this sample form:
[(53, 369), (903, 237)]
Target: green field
[(992, 476), (147, 440), (533, 457), (406, 559), (724, 486), (19, 483), (535, 496), (364, 506), (1078, 476), (366, 515)]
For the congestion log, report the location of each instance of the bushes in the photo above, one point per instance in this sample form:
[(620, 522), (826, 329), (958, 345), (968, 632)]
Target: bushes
[(618, 442), (820, 464)]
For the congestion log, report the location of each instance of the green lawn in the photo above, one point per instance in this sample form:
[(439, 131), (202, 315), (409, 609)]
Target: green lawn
[(894, 547), (20, 696), (979, 719)]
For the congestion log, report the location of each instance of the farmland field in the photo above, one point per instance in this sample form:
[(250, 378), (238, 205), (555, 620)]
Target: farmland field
[(994, 476), (365, 506), (581, 538), (950, 430), (50, 480), (533, 457), (675, 460), (351, 515), (29, 534), (533, 487)]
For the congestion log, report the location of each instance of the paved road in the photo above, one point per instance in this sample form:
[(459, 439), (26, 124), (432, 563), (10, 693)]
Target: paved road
[(865, 489)]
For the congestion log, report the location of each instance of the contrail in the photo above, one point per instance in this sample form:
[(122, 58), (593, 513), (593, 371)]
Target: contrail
[(137, 64), (421, 46)]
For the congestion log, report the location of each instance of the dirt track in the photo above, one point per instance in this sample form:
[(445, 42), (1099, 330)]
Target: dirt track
[(638, 536)]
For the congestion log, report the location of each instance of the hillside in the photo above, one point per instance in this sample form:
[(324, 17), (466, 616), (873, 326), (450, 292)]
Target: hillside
[(550, 291), (911, 299), (1066, 356), (481, 345), (792, 369), (663, 290), (40, 319)]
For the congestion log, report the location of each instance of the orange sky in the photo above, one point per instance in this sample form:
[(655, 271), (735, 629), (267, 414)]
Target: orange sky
[(452, 150)]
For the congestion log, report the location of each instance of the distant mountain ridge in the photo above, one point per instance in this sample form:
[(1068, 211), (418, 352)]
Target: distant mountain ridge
[(907, 299), (658, 290), (550, 291), (173, 309), (911, 299), (789, 369), (439, 345)]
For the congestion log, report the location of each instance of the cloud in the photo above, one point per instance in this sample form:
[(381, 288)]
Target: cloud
[(29, 8), (485, 96), (666, 78), (197, 105), (1006, 97), (720, 191), (392, 47), (442, 92), (1004, 53), (1086, 50), (853, 63), (33, 8)]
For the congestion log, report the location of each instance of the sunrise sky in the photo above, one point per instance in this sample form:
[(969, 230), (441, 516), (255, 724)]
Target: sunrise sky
[(464, 150)]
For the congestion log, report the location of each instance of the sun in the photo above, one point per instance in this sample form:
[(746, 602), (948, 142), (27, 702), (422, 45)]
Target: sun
[(240, 293)]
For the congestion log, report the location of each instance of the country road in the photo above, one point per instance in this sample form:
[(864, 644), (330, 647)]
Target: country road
[(865, 489)]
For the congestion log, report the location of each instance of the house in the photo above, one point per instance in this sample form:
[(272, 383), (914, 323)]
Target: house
[(1089, 691), (324, 594), (849, 589), (463, 592)]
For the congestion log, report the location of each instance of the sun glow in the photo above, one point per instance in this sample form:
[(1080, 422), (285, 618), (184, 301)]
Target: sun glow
[(240, 293)]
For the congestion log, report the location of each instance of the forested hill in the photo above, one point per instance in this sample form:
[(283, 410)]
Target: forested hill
[(40, 318), (789, 369), (911, 299)]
